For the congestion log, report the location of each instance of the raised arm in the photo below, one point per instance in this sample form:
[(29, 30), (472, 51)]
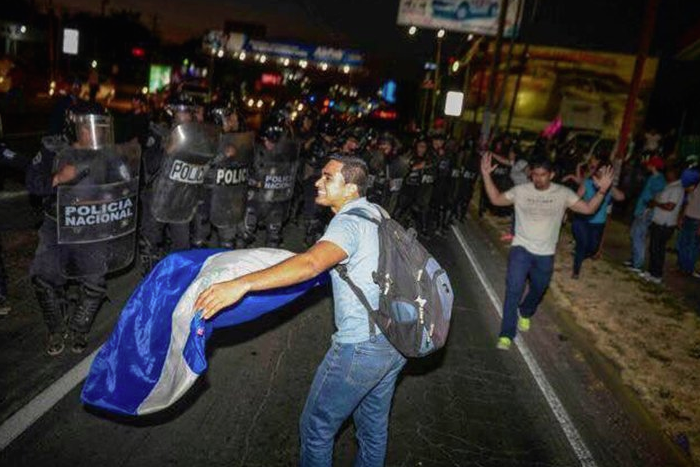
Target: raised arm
[(299, 268), (495, 196), (604, 181)]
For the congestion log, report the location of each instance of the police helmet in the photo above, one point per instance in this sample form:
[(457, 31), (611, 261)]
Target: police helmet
[(178, 106), (89, 125)]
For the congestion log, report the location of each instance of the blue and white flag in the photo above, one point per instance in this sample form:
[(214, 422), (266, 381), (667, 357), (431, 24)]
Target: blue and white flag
[(156, 351)]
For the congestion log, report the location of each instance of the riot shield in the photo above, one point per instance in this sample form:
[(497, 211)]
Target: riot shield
[(275, 171), (178, 188), (96, 208), (227, 180)]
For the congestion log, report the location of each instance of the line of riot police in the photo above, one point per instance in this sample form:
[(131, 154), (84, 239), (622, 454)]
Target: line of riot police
[(199, 178)]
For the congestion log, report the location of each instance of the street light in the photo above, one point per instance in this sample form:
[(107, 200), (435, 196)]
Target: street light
[(441, 33), (412, 30), (263, 59), (220, 53), (303, 63), (94, 64), (23, 29), (455, 66), (470, 37), (346, 69), (286, 62), (241, 56), (324, 66)]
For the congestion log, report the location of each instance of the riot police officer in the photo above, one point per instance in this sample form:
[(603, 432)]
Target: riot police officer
[(417, 189), (271, 183), (175, 168), (441, 202), (468, 174), (89, 225), (226, 182), (314, 154)]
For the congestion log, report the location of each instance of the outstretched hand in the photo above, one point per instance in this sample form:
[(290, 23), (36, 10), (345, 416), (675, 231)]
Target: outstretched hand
[(604, 178), (487, 165), (219, 296)]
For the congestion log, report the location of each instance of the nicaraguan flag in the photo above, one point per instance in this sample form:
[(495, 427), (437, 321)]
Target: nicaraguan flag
[(156, 351)]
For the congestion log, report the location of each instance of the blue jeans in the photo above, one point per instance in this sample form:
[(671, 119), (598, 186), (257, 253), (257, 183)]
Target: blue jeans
[(638, 235), (588, 238), (357, 379), (688, 244), (523, 265)]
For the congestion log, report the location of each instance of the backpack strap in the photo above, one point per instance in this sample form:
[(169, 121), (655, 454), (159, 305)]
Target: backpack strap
[(357, 212), (343, 273)]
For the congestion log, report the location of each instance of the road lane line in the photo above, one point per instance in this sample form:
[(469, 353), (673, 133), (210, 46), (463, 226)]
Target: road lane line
[(572, 435), (30, 413)]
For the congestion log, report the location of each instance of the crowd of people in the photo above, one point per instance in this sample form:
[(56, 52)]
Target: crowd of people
[(205, 178)]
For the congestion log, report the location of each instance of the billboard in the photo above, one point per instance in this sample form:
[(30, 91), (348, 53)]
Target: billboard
[(159, 77), (466, 16), (586, 89), (234, 43)]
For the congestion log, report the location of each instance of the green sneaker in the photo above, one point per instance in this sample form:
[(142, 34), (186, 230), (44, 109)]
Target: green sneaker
[(523, 324), (504, 343)]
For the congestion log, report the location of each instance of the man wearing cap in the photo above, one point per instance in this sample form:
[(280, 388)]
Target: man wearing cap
[(643, 213)]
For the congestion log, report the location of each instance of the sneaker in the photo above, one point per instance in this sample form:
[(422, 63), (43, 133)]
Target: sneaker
[(523, 324), (504, 343), (55, 345), (79, 342), (635, 269), (653, 279), (628, 264), (696, 274)]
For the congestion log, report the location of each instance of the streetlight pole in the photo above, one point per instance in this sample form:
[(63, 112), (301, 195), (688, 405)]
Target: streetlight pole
[(436, 89), (486, 123), (642, 53)]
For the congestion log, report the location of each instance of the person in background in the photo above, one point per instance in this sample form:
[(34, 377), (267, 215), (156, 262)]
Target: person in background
[(689, 229), (654, 184), (588, 230), (666, 207), (539, 208)]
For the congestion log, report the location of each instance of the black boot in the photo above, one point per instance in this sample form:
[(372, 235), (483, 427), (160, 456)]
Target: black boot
[(91, 297), (52, 304)]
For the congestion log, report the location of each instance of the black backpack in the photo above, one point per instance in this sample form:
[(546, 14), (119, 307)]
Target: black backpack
[(415, 299)]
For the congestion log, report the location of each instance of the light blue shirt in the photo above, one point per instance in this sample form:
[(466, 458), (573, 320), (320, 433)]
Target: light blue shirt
[(655, 184), (600, 216), (359, 239)]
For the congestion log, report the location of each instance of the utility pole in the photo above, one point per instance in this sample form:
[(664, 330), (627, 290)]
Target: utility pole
[(486, 123), (436, 89), (642, 54), (509, 58), (514, 100)]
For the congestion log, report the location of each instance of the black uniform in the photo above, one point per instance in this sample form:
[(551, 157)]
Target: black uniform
[(271, 186)]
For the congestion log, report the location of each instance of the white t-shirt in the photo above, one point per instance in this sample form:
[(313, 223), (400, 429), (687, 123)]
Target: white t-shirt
[(538, 215), (673, 193), (693, 208)]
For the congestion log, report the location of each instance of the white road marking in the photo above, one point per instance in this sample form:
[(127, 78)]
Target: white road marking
[(572, 435), (30, 413)]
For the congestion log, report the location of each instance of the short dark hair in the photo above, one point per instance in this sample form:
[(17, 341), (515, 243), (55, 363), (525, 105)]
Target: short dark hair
[(354, 170), (540, 162)]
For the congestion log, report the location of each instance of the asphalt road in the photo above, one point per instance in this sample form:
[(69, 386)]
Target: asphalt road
[(469, 404)]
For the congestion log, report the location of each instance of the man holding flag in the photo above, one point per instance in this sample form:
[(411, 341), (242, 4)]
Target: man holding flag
[(358, 374)]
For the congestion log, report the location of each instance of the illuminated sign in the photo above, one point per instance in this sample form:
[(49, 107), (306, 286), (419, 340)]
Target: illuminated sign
[(453, 103), (271, 79), (159, 77), (235, 43), (470, 16), (70, 41)]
